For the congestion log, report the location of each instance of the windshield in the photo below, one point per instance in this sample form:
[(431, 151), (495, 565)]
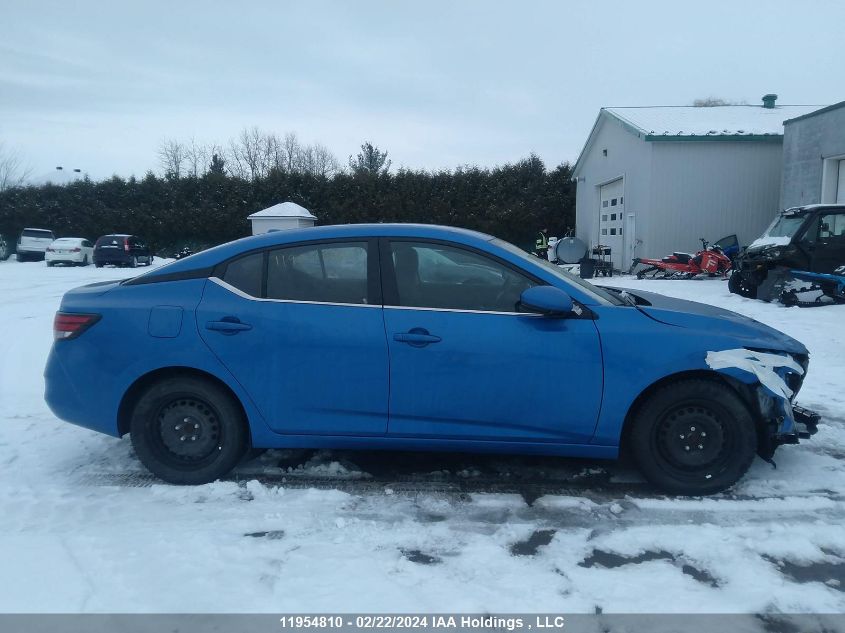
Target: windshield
[(785, 226), (599, 294)]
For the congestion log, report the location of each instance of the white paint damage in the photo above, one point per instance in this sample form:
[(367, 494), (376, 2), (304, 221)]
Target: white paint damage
[(763, 366)]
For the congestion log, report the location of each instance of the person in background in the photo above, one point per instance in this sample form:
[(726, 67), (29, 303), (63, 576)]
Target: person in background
[(541, 246)]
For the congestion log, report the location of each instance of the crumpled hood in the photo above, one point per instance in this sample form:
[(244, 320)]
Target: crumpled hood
[(715, 320)]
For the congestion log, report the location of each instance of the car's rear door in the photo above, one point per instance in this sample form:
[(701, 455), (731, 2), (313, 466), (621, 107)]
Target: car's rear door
[(301, 328), (466, 364)]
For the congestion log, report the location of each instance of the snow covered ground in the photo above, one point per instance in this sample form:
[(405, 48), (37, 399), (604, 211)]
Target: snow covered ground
[(84, 529)]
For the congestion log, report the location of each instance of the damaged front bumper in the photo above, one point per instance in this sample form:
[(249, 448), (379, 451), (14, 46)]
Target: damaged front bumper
[(806, 424), (801, 425)]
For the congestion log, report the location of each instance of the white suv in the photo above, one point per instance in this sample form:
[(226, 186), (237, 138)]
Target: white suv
[(33, 243)]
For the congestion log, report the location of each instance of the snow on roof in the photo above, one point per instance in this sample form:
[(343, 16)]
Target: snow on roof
[(283, 210), (714, 121)]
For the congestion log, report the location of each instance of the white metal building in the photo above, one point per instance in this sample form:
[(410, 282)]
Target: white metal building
[(286, 215), (652, 180), (814, 158)]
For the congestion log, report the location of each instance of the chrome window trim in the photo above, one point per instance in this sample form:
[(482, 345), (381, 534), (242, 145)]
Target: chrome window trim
[(522, 314), (244, 295)]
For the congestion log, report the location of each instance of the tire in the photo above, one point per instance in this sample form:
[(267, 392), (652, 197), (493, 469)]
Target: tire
[(20, 258), (50, 264), (4, 252), (84, 261), (133, 262), (212, 416), (740, 285), (98, 265), (251, 454), (693, 437)]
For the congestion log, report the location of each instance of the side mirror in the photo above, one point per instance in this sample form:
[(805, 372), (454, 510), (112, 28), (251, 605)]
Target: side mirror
[(546, 300)]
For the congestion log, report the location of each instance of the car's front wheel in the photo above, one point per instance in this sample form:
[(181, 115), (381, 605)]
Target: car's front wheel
[(187, 430), (693, 437)]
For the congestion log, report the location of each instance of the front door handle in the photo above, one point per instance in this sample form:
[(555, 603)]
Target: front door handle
[(227, 325), (417, 337)]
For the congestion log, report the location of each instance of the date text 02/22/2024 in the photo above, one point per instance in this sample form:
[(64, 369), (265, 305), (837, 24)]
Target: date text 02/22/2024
[(463, 622)]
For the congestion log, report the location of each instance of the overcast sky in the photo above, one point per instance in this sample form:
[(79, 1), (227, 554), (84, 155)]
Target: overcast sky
[(98, 85)]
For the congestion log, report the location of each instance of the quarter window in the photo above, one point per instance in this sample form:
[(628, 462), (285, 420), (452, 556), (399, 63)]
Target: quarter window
[(439, 276), (245, 274), (326, 273)]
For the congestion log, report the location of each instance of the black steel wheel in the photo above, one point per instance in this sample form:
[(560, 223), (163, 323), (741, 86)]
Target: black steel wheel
[(694, 437), (187, 430)]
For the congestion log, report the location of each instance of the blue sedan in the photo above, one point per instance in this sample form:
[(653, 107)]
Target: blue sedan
[(413, 337)]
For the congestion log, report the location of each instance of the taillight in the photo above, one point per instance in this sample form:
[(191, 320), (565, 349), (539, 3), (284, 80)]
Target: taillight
[(126, 244), (67, 326), (50, 250), (75, 250)]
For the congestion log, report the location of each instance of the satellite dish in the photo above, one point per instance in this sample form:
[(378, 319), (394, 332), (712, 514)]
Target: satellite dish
[(570, 250)]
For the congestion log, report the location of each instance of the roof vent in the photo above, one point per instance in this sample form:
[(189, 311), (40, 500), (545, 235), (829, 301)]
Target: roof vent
[(769, 101)]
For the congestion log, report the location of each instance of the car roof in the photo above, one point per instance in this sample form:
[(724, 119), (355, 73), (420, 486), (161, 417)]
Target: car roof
[(70, 239), (33, 228), (814, 207), (213, 256)]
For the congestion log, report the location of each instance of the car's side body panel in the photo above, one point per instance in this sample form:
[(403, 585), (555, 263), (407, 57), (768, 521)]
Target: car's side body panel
[(87, 379), (325, 375)]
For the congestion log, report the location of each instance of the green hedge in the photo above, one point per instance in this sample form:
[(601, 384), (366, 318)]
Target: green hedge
[(513, 202)]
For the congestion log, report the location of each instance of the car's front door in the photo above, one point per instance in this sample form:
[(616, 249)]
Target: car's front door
[(466, 364), (827, 242), (301, 329)]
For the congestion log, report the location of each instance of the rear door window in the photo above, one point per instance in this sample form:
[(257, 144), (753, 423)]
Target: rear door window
[(326, 273)]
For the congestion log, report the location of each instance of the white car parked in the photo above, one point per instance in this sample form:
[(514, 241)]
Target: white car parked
[(32, 243), (74, 251)]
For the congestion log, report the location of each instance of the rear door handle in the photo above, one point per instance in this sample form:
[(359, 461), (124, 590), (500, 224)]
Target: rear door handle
[(417, 337), (227, 325)]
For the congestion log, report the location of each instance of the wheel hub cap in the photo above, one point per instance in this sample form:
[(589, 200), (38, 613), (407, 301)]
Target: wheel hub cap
[(692, 437), (189, 429)]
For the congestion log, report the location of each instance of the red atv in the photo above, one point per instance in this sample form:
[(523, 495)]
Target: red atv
[(710, 260)]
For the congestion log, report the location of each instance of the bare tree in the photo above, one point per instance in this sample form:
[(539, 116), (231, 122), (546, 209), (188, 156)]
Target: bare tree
[(252, 153), (197, 157), (324, 163), (13, 170), (710, 102), (172, 156)]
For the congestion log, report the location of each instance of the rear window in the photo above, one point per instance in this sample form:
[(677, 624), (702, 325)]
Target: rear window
[(39, 233), (111, 240)]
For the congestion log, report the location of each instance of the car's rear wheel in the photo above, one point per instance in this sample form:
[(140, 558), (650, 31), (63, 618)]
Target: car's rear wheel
[(188, 431), (133, 262), (693, 437), (84, 261)]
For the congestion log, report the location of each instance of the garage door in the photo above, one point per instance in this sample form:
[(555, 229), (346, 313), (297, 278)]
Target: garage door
[(840, 187), (611, 219)]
